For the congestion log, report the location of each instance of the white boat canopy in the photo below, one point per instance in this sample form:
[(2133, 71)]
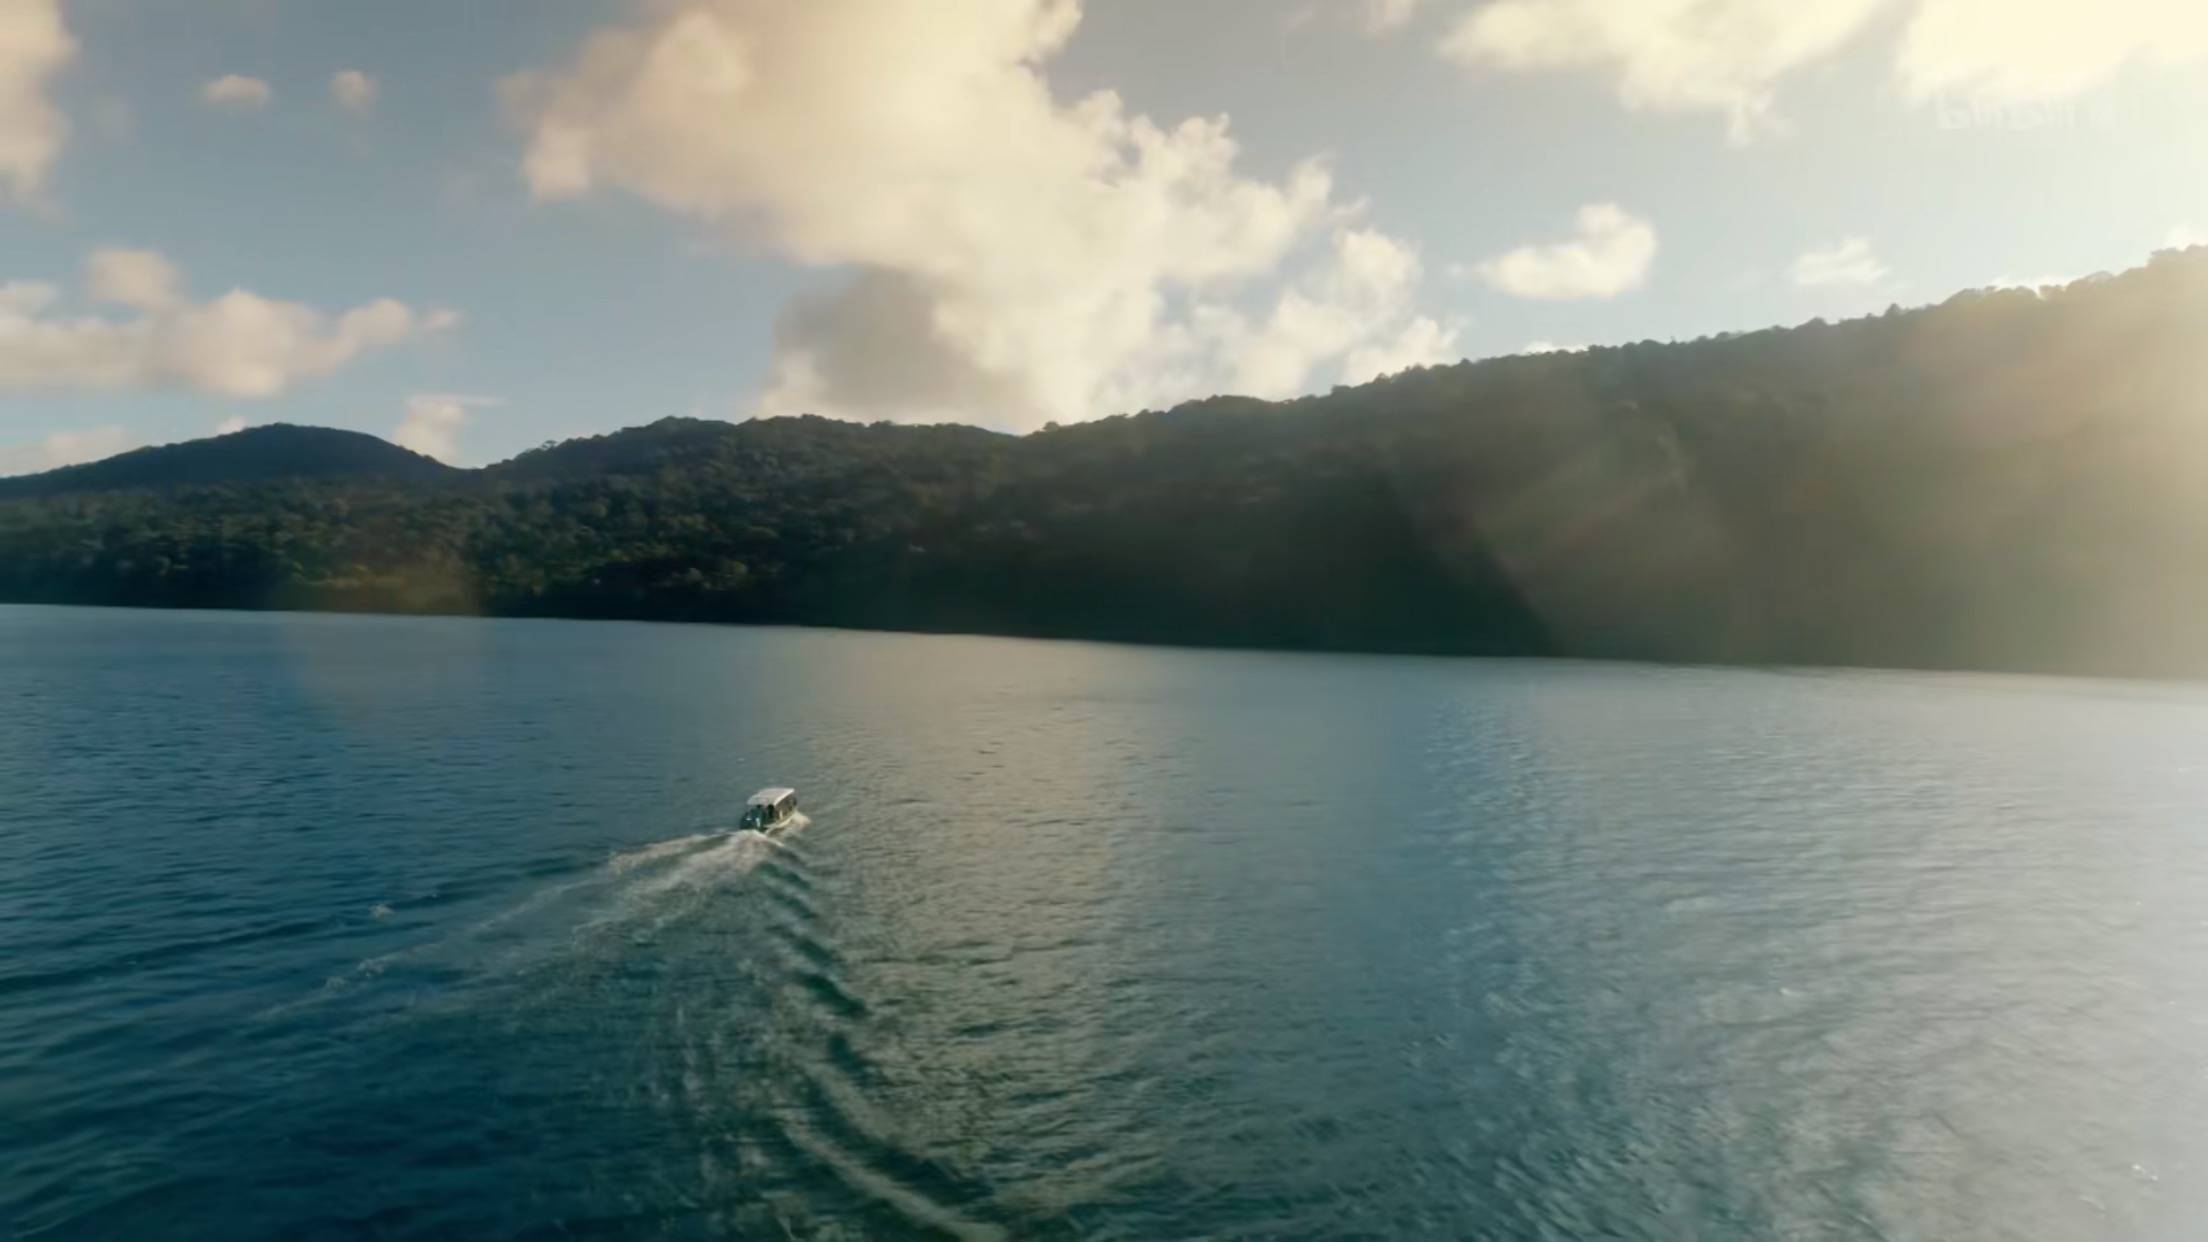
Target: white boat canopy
[(768, 797)]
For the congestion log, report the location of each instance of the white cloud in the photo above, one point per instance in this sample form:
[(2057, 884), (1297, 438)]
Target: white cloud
[(67, 448), (1729, 56), (354, 91), (231, 425), (432, 423), (236, 91), (1371, 16), (2011, 51), (1550, 347), (1423, 342), (1669, 55), (1014, 258), (1356, 307), (1610, 255), (140, 279), (34, 47), (238, 345), (2184, 237), (1379, 15), (2037, 285), (1849, 261), (26, 297)]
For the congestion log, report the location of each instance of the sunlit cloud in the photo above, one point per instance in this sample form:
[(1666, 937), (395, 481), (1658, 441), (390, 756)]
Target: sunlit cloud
[(239, 345), (1014, 258), (35, 46), (1374, 17), (1723, 56), (232, 425), (1611, 253), (1730, 56), (236, 91), (1357, 306), (1849, 261), (1422, 342), (1379, 15), (2008, 51), (354, 91), (432, 423), (2047, 280), (140, 279)]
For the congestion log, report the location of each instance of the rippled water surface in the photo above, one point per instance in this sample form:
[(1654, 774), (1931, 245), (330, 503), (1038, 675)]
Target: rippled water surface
[(357, 927)]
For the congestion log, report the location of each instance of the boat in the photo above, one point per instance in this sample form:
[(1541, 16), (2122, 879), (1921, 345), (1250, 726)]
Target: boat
[(770, 808)]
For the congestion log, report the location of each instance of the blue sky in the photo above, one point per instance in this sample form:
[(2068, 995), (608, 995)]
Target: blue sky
[(560, 217)]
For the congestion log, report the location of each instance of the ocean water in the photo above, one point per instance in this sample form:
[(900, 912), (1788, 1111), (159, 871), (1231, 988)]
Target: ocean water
[(343, 927)]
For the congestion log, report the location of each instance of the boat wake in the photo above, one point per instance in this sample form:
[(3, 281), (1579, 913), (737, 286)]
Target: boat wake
[(703, 857), (630, 897), (631, 860), (662, 881)]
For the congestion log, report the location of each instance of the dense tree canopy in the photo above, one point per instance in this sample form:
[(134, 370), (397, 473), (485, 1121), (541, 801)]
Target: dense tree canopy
[(2010, 479)]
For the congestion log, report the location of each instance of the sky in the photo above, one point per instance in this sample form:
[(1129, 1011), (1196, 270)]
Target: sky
[(473, 228)]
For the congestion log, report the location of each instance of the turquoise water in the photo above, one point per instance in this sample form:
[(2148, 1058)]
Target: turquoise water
[(389, 928)]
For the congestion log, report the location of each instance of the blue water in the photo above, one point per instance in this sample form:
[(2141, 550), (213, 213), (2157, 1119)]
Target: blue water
[(385, 928)]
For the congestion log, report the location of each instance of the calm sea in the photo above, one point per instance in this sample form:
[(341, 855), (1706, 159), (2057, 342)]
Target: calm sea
[(387, 928)]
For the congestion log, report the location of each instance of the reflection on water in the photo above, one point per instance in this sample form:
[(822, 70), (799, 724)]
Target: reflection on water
[(403, 928)]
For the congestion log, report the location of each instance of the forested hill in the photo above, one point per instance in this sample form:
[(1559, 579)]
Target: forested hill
[(257, 454), (2012, 479)]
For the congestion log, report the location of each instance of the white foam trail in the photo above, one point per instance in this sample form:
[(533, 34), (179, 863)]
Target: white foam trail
[(629, 861), (680, 872), (646, 883), (626, 861), (735, 855)]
